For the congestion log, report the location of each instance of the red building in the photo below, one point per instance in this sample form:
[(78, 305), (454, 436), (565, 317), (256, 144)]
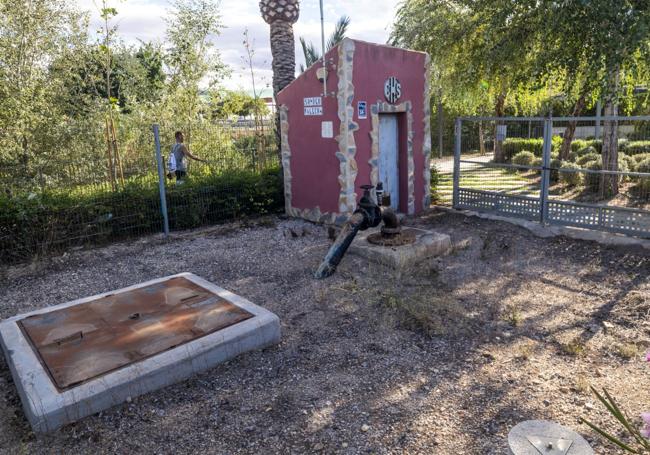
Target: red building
[(371, 126)]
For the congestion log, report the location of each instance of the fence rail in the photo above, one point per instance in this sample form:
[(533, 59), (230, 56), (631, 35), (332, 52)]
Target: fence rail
[(588, 172)]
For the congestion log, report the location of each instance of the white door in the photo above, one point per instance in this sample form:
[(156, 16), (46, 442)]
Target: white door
[(388, 153)]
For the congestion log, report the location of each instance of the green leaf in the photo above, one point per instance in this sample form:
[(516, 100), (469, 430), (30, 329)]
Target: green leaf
[(608, 436)]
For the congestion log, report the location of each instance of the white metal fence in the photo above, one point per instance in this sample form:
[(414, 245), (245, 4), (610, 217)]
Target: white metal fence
[(530, 168)]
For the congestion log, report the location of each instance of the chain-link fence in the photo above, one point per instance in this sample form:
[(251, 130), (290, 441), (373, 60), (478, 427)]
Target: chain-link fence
[(583, 172), (50, 206)]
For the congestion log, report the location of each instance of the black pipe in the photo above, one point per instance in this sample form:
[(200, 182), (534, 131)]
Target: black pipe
[(341, 245), (389, 217), (367, 215)]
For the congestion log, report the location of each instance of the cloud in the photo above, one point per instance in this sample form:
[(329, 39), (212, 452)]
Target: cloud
[(145, 20)]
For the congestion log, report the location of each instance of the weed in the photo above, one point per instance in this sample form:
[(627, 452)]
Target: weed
[(626, 351), (574, 347), (582, 384), (513, 316), (525, 351)]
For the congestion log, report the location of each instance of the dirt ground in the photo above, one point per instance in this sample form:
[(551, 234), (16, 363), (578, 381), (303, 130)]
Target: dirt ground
[(444, 359)]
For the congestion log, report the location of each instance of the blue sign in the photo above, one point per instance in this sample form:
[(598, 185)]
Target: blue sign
[(362, 112)]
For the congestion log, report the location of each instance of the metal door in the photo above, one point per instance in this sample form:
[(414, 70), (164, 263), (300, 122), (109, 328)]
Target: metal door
[(388, 156)]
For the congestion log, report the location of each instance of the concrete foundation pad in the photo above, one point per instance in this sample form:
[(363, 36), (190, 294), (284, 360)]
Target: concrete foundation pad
[(427, 244), (48, 408)]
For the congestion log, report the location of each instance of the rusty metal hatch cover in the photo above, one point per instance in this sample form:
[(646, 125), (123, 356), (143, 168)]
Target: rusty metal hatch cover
[(88, 340)]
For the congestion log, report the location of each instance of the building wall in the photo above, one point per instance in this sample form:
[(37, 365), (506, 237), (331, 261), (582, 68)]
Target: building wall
[(373, 64), (323, 176), (314, 167)]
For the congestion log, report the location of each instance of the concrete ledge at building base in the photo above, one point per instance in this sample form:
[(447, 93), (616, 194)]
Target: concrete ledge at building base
[(427, 244), (548, 231), (47, 408)]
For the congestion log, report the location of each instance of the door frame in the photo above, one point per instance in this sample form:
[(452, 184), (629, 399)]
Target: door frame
[(405, 148)]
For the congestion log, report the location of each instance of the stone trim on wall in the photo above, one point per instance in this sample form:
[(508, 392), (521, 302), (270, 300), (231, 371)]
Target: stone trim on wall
[(382, 107), (426, 145), (347, 147), (285, 155)]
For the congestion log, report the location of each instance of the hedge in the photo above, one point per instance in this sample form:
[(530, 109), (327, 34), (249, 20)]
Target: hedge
[(38, 224), (570, 178), (584, 159), (523, 158), (514, 145), (635, 147)]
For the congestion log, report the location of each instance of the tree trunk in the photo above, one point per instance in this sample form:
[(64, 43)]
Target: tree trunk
[(498, 141), (481, 138), (284, 65), (609, 183), (571, 128)]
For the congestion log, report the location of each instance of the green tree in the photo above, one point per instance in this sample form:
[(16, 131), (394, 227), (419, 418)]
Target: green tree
[(32, 34), (481, 50), (309, 51), (193, 64)]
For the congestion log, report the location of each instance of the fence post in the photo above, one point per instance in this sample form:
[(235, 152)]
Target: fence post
[(457, 137), (161, 179), (546, 172)]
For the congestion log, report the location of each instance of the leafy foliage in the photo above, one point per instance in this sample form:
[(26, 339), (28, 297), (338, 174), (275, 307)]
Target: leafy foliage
[(310, 52)]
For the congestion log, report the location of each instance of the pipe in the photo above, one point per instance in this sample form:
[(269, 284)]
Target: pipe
[(340, 246), (389, 217), (322, 39)]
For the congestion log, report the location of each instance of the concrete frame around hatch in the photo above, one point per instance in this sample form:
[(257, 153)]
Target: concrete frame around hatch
[(47, 408)]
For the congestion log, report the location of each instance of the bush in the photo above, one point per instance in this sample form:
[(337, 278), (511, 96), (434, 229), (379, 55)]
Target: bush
[(625, 162), (581, 161), (636, 159), (573, 178), (51, 222), (556, 144), (435, 181), (596, 144), (514, 145), (577, 154), (636, 147), (592, 181), (523, 158), (555, 164), (578, 144), (644, 182)]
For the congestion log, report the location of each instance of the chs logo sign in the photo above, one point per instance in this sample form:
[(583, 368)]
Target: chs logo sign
[(392, 89)]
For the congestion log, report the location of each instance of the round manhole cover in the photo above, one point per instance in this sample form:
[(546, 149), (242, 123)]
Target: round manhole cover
[(535, 437)]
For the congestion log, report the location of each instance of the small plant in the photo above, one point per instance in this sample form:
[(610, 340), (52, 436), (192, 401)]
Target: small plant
[(513, 315), (582, 385), (574, 347), (626, 350), (641, 444), (525, 351)]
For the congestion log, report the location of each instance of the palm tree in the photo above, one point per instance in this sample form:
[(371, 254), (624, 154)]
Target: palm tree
[(309, 50), (281, 15)]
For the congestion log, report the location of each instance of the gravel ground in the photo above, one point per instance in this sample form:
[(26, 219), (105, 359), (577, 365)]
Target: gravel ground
[(443, 359)]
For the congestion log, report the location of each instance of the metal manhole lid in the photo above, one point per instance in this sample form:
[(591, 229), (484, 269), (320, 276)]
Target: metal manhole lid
[(88, 340)]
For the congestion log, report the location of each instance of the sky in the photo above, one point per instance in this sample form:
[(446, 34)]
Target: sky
[(144, 20)]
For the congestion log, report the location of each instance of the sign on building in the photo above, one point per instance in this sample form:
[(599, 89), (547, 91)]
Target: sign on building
[(362, 111), (392, 89), (313, 105)]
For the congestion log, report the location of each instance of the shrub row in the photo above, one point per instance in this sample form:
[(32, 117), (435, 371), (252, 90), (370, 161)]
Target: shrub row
[(50, 222)]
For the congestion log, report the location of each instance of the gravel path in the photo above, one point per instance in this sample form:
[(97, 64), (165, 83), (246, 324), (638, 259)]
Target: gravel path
[(442, 360)]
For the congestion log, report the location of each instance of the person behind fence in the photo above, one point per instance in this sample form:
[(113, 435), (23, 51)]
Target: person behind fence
[(176, 164)]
